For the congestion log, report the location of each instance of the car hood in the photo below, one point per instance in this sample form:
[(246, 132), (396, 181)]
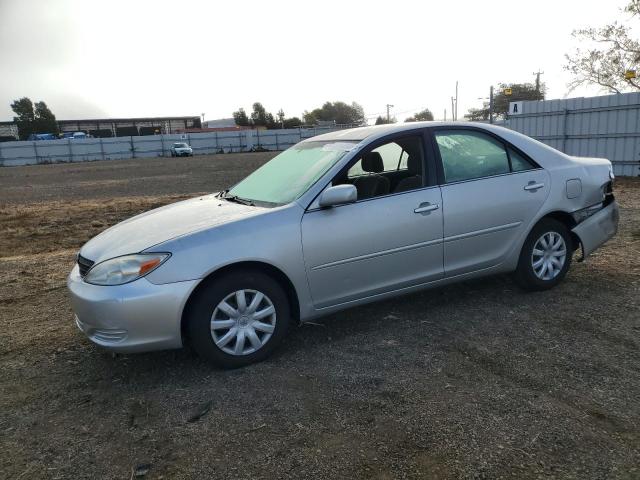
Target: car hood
[(156, 226)]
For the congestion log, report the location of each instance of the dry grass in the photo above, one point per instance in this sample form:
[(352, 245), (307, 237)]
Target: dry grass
[(53, 226)]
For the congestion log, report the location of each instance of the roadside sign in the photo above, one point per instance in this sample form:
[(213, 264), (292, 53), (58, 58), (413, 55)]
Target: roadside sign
[(515, 108), (507, 91)]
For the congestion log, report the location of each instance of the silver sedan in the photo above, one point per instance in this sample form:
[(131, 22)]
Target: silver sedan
[(339, 220)]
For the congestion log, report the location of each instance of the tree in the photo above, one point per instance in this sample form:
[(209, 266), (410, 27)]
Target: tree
[(292, 122), (30, 120), (422, 116), (338, 112), (45, 120), (259, 115), (383, 120), (477, 114), (357, 114), (261, 118), (240, 117), (612, 51), (519, 91), (309, 118), (25, 118), (271, 121)]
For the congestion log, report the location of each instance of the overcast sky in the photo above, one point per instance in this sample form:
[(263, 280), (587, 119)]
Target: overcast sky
[(118, 58)]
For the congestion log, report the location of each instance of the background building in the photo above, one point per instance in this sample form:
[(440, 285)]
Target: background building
[(8, 131), (115, 127), (220, 123), (124, 127)]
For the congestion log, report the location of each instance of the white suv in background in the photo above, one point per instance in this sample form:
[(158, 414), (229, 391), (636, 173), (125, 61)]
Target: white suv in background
[(181, 149)]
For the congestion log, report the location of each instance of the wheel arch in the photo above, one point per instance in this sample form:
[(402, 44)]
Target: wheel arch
[(263, 267), (567, 220)]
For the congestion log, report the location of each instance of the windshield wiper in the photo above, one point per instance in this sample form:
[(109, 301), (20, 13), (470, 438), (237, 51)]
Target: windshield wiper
[(237, 199)]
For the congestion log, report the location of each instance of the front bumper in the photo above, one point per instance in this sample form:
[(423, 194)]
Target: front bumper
[(136, 317), (598, 228)]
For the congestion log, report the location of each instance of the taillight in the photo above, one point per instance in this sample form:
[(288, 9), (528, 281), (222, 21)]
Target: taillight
[(607, 192)]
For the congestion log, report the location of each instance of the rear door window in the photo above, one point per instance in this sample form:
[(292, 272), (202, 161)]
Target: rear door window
[(468, 154), (518, 162)]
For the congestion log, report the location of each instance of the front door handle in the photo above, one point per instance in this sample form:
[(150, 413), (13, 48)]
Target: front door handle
[(533, 186), (426, 207)]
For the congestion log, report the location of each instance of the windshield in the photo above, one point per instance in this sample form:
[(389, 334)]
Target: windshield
[(291, 173), (180, 145)]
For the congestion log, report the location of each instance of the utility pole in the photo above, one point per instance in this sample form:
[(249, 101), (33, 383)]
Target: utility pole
[(491, 104), (445, 114), (453, 110), (537, 74), (388, 116), (456, 111)]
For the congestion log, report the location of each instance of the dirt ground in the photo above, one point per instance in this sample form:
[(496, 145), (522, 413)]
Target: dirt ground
[(475, 381)]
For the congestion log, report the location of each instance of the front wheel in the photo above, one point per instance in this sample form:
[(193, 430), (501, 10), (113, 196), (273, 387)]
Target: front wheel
[(239, 319), (545, 257)]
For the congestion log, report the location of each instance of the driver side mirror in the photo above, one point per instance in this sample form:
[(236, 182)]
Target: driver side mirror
[(338, 195)]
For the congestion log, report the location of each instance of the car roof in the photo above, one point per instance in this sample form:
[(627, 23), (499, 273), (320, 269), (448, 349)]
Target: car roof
[(535, 149), (375, 131)]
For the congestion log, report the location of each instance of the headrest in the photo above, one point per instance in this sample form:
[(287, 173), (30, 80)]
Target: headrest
[(372, 162), (413, 164)]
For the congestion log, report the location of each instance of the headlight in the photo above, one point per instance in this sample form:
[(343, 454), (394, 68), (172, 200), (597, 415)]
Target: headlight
[(128, 268)]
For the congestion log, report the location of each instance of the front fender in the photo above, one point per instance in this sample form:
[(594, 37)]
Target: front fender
[(272, 238)]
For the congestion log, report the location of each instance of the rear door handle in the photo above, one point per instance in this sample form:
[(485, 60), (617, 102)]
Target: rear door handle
[(533, 186), (426, 207)]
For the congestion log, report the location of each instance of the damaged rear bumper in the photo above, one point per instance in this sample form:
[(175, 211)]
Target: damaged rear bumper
[(598, 228)]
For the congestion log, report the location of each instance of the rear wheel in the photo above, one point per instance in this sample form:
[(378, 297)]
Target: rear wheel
[(239, 319), (546, 256)]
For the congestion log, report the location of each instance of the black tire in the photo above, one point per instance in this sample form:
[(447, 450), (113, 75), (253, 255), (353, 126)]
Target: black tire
[(208, 298), (525, 275)]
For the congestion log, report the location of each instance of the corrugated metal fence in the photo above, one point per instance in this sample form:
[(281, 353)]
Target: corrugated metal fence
[(606, 126), (77, 150)]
